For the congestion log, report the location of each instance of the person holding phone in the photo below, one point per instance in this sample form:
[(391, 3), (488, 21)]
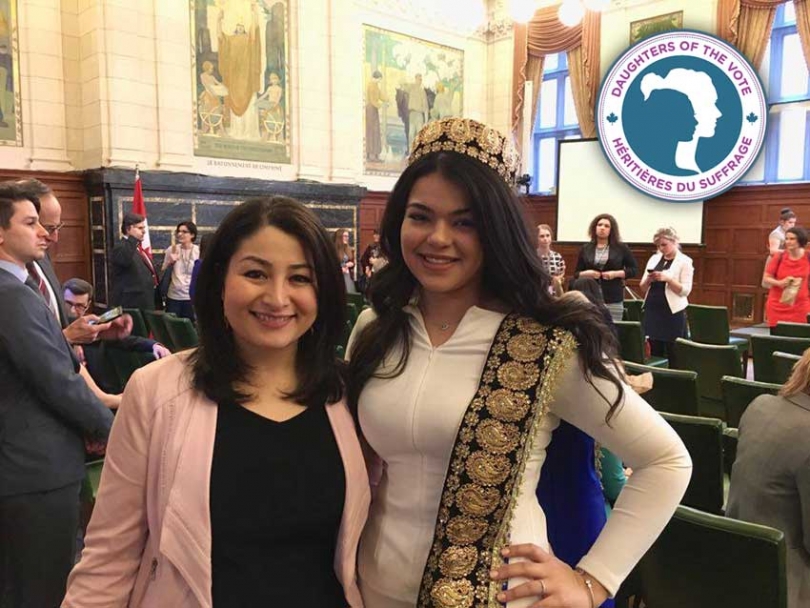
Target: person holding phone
[(668, 281)]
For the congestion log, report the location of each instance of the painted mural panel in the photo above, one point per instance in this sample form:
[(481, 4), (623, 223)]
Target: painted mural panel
[(10, 112), (241, 79), (407, 82)]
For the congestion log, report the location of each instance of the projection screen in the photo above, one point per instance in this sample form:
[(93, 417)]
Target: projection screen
[(588, 186)]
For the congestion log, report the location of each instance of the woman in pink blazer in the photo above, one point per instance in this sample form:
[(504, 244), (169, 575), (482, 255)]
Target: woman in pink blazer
[(234, 476)]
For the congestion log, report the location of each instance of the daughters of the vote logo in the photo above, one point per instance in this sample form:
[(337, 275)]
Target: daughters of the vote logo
[(681, 116)]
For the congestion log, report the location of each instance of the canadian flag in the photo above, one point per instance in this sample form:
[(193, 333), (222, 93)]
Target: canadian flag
[(139, 207)]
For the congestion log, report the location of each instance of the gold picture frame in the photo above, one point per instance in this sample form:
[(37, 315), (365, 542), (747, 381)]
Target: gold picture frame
[(644, 28)]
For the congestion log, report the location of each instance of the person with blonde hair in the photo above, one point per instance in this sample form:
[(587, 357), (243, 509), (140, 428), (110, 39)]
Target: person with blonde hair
[(770, 480), (668, 281)]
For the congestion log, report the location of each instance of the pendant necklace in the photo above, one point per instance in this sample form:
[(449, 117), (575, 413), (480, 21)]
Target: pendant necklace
[(444, 326)]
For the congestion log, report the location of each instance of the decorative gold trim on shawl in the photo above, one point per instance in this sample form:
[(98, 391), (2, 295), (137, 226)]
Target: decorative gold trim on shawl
[(488, 461)]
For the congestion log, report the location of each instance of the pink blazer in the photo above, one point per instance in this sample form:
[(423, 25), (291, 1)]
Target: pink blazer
[(149, 540)]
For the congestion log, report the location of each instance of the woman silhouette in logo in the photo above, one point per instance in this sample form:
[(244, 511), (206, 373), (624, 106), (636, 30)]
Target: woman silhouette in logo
[(701, 92)]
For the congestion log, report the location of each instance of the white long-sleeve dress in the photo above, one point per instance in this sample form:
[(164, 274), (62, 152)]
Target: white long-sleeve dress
[(411, 422)]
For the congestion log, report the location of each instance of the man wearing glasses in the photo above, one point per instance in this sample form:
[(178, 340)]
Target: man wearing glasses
[(78, 298)]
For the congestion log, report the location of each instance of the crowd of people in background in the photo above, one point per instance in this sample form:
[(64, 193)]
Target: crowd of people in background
[(258, 457)]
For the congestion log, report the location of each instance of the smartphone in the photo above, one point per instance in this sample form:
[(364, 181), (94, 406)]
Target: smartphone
[(110, 315)]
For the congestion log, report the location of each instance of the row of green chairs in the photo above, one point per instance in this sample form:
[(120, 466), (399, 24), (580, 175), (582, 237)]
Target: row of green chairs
[(677, 391), (791, 330), (712, 452), (703, 560), (175, 333), (709, 325), (632, 344), (763, 348)]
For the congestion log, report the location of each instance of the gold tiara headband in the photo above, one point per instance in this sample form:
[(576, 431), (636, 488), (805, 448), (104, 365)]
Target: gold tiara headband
[(470, 137)]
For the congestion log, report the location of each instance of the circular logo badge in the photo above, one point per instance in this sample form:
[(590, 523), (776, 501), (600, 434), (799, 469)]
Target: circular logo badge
[(681, 116)]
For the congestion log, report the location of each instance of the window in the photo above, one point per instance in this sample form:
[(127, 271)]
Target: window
[(786, 154), (556, 120)]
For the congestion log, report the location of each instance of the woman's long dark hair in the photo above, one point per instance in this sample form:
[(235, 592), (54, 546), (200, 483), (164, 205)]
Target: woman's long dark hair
[(614, 237), (216, 364), (512, 272)]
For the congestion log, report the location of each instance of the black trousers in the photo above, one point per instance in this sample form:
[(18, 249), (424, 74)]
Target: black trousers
[(37, 546)]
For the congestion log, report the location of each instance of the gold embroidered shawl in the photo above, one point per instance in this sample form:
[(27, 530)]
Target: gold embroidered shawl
[(487, 464)]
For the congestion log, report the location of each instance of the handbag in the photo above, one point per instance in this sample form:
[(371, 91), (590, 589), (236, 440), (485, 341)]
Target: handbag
[(790, 292)]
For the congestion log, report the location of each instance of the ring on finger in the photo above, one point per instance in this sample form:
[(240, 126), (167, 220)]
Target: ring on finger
[(542, 588)]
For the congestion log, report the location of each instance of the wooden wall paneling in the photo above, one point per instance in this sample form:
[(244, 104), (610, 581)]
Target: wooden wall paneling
[(372, 207), (715, 270), (718, 240)]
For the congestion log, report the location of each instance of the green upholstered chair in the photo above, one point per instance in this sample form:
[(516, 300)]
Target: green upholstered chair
[(709, 325), (703, 438), (182, 332), (738, 393), (139, 327), (631, 344), (89, 491), (347, 332), (358, 299), (352, 313), (730, 437), (674, 390), (763, 347), (634, 311), (783, 365), (791, 330), (711, 362), (157, 327), (707, 561), (123, 363)]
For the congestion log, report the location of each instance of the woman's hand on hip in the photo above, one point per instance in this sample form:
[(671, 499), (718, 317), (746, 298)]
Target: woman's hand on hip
[(551, 581)]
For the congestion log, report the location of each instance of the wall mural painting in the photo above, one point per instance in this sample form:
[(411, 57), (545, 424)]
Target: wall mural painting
[(407, 82), (242, 79), (10, 113)]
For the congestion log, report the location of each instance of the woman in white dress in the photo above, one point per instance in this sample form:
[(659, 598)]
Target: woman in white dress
[(460, 372)]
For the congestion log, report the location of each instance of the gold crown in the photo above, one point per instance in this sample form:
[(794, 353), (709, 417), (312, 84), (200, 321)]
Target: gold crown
[(470, 137)]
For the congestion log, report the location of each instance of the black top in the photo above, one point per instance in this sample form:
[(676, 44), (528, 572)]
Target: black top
[(659, 321), (619, 258), (277, 492)]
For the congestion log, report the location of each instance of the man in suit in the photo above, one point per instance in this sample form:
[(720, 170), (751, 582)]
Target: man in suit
[(133, 276), (46, 412), (78, 331), (78, 296), (82, 330)]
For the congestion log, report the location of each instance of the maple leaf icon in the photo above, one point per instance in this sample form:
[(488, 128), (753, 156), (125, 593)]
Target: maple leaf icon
[(612, 118), (752, 118)]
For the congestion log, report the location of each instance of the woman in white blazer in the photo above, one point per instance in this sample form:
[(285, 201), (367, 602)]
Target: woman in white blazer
[(668, 277)]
